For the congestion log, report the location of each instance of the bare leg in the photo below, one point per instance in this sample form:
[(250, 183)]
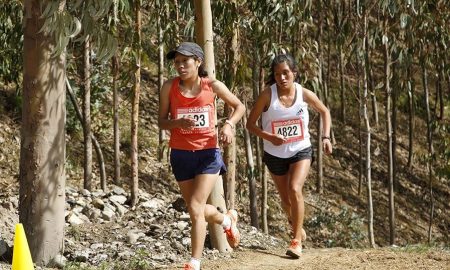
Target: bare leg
[(282, 185), (195, 192), (298, 172)]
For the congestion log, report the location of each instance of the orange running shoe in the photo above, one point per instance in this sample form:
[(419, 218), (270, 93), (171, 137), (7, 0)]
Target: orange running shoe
[(292, 231), (233, 235), (188, 266), (295, 249)]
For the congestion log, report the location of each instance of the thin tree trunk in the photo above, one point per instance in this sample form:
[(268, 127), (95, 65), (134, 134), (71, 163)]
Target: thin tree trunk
[(251, 176), (204, 37), (341, 83), (263, 168), (98, 149), (319, 184), (411, 88), (265, 224), (115, 67), (387, 74), (135, 108), (87, 117), (395, 92), (368, 152), (372, 89), (255, 87), (230, 77), (161, 134), (42, 148), (360, 131), (430, 147)]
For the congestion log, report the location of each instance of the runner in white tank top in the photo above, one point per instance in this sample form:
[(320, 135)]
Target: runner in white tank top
[(287, 148), (290, 122)]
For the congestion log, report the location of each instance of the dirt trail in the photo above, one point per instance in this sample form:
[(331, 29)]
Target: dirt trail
[(336, 258)]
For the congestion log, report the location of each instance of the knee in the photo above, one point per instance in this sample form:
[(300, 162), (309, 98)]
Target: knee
[(196, 212), (296, 192)]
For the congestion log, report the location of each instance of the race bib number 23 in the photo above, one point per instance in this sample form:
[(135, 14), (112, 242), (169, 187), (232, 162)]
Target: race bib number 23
[(199, 114)]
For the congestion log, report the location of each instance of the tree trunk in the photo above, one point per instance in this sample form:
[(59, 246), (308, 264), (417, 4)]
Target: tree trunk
[(264, 200), (87, 133), (204, 37), (43, 148), (395, 91), (387, 74), (250, 176), (411, 88), (430, 146), (229, 156), (255, 87), (360, 131), (115, 73), (319, 184), (372, 89), (163, 145), (230, 77), (341, 82), (98, 150), (367, 131), (135, 108), (115, 68)]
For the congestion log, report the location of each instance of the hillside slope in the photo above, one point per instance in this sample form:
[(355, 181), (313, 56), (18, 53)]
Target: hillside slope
[(336, 218)]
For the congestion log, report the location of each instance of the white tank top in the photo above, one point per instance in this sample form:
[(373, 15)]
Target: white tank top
[(291, 123)]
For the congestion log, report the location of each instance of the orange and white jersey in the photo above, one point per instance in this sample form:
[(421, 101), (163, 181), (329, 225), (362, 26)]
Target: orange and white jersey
[(201, 108)]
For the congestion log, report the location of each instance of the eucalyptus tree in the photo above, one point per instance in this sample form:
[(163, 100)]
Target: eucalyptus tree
[(204, 37), (363, 11), (42, 153), (386, 7), (135, 102), (227, 27)]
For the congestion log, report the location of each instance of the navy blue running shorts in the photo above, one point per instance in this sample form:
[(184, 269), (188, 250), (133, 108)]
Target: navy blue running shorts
[(280, 166), (186, 164)]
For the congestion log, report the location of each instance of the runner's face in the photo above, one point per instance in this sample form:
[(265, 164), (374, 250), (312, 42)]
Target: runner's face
[(186, 66), (284, 75)]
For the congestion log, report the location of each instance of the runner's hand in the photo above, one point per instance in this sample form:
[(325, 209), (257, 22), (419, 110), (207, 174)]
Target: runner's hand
[(186, 123), (226, 134), (277, 139), (327, 146)]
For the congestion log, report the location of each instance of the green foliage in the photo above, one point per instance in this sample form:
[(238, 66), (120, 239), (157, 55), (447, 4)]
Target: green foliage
[(11, 41), (344, 229)]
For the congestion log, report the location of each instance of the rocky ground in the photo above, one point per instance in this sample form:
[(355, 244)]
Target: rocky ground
[(102, 232)]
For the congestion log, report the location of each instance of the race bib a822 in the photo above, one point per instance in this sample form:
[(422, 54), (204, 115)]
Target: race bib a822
[(291, 129)]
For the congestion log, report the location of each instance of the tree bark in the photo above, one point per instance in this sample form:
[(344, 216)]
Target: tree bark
[(87, 133), (43, 148), (135, 107), (115, 71), (204, 37), (319, 184), (410, 89), (430, 145), (162, 133), (388, 90), (367, 131), (251, 176)]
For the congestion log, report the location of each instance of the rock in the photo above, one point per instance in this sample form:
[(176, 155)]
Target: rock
[(118, 199)]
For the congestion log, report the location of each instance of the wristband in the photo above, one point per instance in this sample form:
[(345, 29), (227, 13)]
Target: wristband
[(229, 123), (326, 137)]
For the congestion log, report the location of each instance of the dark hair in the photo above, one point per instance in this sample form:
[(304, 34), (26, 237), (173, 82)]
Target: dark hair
[(201, 70), (282, 58)]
